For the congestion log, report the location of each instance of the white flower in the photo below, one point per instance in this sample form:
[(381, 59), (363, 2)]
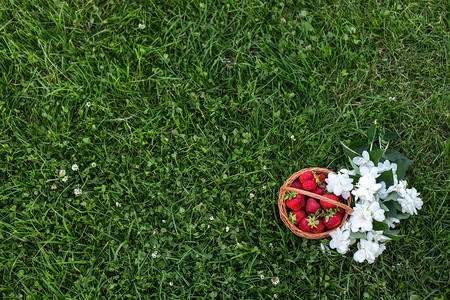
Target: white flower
[(386, 165), (382, 192), (340, 240), (88, 104), (264, 187), (372, 170), (410, 202), (293, 137), (227, 229), (392, 98), (74, 167), (209, 226), (164, 221), (211, 218), (325, 248), (264, 167), (348, 172), (238, 245), (362, 161), (270, 245), (78, 191), (275, 280), (391, 221), (367, 187), (93, 165), (377, 236), (154, 254), (399, 188), (339, 184), (118, 204), (252, 195), (65, 178), (62, 173), (363, 215), (141, 26), (53, 187), (366, 251), (171, 283), (352, 30), (262, 276)]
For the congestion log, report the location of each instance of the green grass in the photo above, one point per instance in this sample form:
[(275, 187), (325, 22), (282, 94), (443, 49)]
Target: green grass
[(191, 115)]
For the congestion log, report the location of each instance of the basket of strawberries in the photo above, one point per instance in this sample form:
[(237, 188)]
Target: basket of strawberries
[(305, 207)]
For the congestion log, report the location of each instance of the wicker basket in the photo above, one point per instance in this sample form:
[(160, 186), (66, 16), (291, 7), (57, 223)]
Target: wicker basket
[(284, 212)]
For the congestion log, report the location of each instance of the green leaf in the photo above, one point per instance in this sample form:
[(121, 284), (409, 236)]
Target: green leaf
[(375, 155), (390, 136), (384, 207), (394, 237), (358, 235), (380, 225), (402, 166), (371, 133), (354, 166), (403, 216), (348, 151), (359, 147), (392, 210), (387, 177), (398, 158)]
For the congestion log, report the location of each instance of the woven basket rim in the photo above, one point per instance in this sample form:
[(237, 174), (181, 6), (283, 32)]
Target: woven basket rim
[(284, 213)]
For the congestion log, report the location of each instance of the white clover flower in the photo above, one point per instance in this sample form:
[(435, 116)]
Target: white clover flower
[(62, 173), (75, 167), (262, 276), (264, 167), (339, 184), (141, 26), (340, 240), (65, 178), (363, 215), (211, 218), (352, 30), (53, 187), (78, 191), (88, 104), (154, 254), (118, 204), (252, 195), (390, 221), (366, 251), (164, 221), (227, 229), (410, 201), (171, 283), (93, 165), (270, 245), (293, 137), (275, 280), (367, 187)]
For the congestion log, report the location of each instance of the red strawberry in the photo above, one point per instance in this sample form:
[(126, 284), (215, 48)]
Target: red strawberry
[(297, 185), (307, 224), (306, 176), (296, 216), (312, 206), (318, 191), (295, 201), (319, 227), (332, 221), (327, 205), (309, 185), (321, 178)]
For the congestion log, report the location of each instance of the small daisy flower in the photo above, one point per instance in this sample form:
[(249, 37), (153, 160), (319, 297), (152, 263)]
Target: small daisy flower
[(141, 26), (262, 276), (154, 254), (211, 218), (78, 191), (65, 178), (75, 167), (171, 283), (275, 280), (118, 204), (227, 229), (252, 195), (93, 165), (293, 137), (88, 104), (54, 187), (62, 173)]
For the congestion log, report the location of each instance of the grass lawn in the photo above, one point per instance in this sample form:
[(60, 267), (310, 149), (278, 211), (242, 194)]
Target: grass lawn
[(176, 112)]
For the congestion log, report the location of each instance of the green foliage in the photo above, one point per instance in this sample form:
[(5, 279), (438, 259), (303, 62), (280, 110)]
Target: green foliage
[(192, 117)]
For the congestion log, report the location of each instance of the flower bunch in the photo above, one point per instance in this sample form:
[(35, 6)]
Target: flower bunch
[(382, 197)]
